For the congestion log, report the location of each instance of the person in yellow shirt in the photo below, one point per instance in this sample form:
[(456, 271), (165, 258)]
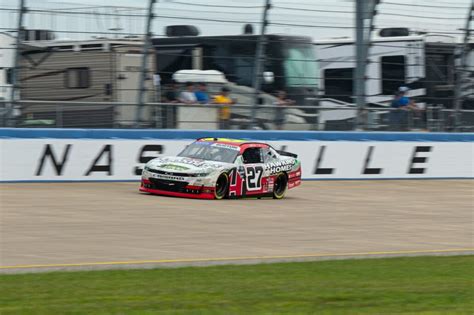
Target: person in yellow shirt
[(224, 112)]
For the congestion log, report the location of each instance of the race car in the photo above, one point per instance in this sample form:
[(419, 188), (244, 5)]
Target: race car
[(218, 168)]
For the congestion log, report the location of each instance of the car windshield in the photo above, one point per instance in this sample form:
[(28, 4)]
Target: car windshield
[(211, 151)]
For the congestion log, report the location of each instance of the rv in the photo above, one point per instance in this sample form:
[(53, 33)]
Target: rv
[(425, 63), (290, 63), (91, 71)]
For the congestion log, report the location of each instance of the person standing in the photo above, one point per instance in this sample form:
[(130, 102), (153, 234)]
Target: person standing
[(171, 95), (224, 99), (401, 105), (187, 96), (201, 94), (281, 103)]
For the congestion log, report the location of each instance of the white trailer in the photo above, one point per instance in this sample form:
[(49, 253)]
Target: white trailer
[(98, 72)]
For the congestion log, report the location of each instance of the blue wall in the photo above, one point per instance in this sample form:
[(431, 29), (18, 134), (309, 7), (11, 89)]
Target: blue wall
[(33, 133)]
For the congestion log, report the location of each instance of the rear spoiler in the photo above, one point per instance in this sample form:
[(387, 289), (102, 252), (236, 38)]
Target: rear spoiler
[(284, 153)]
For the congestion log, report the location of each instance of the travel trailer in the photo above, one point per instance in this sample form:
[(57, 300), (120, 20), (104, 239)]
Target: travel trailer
[(92, 71)]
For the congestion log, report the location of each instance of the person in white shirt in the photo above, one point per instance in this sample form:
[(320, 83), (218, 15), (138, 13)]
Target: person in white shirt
[(188, 96)]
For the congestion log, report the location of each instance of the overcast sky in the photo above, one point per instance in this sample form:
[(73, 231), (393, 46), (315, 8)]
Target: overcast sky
[(318, 19)]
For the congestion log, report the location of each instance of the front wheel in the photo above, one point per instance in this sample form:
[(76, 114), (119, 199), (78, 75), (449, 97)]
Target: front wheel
[(222, 185), (280, 186)]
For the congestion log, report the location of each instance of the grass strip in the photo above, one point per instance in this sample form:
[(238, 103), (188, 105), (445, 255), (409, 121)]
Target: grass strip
[(411, 285)]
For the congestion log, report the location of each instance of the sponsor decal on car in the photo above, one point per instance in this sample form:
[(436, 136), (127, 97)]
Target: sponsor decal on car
[(174, 167), (226, 146), (192, 162), (169, 177), (280, 166)]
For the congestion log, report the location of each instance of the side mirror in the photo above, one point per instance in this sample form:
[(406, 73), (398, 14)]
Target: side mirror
[(268, 77)]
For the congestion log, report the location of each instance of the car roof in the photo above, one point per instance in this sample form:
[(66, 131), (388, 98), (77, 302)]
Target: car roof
[(233, 142)]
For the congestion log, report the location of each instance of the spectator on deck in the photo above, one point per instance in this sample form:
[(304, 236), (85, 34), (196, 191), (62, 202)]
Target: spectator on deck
[(401, 104), (171, 95), (201, 94), (281, 103), (402, 101), (187, 96), (224, 111)]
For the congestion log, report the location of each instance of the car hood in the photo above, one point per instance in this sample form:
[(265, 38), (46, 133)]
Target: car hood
[(177, 164)]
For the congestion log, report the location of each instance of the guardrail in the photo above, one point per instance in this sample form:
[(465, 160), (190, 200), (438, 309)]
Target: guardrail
[(207, 116)]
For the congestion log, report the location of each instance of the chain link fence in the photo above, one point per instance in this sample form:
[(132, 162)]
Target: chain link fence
[(67, 51), (37, 114)]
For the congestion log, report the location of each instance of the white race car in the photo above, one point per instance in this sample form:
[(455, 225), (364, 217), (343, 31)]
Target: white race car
[(216, 168)]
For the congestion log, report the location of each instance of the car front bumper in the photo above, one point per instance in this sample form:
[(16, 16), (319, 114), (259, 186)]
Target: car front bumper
[(185, 191)]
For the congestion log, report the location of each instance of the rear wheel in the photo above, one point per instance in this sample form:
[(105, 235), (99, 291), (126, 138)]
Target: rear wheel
[(280, 186), (222, 185)]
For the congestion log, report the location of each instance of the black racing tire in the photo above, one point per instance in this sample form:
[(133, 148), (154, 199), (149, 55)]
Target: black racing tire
[(222, 186), (280, 186)]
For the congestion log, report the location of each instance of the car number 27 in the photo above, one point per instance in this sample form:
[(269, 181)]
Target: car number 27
[(253, 176)]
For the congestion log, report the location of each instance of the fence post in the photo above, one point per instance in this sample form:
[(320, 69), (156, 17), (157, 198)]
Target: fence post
[(16, 61), (461, 71), (365, 11), (143, 69), (259, 63)]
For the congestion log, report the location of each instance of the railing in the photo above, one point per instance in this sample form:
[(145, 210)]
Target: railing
[(56, 114)]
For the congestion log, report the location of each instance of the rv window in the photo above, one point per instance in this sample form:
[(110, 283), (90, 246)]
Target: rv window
[(338, 84), (9, 75), (77, 78), (393, 73), (439, 68)]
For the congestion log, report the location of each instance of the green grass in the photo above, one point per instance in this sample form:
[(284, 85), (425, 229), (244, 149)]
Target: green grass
[(421, 285)]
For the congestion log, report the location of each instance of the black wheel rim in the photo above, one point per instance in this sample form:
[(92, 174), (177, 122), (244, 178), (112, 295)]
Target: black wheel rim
[(280, 185), (221, 186)]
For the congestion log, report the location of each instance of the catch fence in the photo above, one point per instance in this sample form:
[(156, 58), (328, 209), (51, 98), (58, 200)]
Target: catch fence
[(54, 114)]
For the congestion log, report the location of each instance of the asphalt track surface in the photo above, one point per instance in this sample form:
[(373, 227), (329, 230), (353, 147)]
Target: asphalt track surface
[(111, 225)]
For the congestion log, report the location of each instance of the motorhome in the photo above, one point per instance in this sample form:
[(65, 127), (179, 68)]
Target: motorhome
[(290, 63), (425, 63), (90, 71)]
